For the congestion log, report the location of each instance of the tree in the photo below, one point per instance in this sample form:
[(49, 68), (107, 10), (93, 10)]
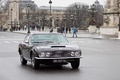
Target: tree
[(43, 18), (3, 16), (80, 14)]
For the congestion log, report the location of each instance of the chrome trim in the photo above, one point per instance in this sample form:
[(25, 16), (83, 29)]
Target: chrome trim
[(60, 58)]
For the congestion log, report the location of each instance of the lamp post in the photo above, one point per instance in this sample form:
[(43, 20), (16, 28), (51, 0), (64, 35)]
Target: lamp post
[(92, 22), (41, 23), (42, 20), (71, 19), (28, 18), (50, 2), (64, 19), (57, 24), (92, 10), (11, 20), (50, 22), (57, 19)]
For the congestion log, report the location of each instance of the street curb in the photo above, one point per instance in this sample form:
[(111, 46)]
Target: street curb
[(19, 32)]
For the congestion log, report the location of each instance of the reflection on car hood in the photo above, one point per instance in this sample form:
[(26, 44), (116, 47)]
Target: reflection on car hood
[(57, 47)]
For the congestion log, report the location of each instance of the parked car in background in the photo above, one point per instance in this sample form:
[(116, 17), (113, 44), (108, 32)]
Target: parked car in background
[(49, 49)]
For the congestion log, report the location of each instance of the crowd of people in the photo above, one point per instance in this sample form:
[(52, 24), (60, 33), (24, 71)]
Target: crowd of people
[(66, 29), (39, 28)]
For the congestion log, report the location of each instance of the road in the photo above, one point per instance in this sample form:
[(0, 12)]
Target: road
[(100, 61)]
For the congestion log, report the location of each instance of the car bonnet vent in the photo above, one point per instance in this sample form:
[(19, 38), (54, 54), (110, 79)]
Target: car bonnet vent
[(57, 46)]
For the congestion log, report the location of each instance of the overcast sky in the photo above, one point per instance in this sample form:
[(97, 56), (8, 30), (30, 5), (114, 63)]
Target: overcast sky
[(65, 3)]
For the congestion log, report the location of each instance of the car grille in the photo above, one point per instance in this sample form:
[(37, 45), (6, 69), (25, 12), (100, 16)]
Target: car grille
[(60, 54)]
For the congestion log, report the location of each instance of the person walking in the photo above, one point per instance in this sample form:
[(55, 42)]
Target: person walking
[(51, 29), (74, 31)]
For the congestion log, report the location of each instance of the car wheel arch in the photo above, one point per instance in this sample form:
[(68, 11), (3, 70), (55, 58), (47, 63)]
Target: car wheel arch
[(19, 50), (31, 53)]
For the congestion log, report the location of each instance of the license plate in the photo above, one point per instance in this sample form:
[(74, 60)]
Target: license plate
[(58, 61), (58, 52)]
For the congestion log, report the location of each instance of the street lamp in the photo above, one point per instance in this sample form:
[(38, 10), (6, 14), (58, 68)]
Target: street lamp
[(71, 19), (50, 2), (11, 19), (93, 10), (28, 7), (57, 18), (57, 24), (41, 23), (92, 17), (42, 20), (50, 21), (64, 19)]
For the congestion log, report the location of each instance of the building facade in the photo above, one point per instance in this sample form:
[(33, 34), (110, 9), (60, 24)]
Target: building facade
[(111, 17), (56, 14)]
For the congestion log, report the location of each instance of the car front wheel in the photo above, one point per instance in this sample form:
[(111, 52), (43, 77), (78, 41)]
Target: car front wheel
[(75, 64), (34, 62), (22, 60)]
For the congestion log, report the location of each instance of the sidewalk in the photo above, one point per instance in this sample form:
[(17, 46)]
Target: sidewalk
[(79, 34)]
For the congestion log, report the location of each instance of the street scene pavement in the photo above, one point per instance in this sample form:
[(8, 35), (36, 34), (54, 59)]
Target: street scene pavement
[(100, 61), (96, 23)]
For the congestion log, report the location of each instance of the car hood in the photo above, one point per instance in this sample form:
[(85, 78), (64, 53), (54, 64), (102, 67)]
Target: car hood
[(56, 47)]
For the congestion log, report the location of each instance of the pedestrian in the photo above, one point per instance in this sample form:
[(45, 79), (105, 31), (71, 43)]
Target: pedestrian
[(25, 27), (66, 30), (51, 30), (69, 30), (63, 29), (74, 31)]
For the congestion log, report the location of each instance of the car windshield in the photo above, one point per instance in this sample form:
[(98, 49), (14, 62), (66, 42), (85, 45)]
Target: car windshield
[(49, 38)]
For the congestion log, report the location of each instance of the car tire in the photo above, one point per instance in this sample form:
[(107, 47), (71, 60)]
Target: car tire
[(22, 60), (75, 64), (34, 62)]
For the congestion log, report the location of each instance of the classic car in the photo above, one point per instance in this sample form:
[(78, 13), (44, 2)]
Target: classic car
[(48, 49)]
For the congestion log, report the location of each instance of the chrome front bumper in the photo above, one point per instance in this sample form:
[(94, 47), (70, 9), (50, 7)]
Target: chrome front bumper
[(59, 58)]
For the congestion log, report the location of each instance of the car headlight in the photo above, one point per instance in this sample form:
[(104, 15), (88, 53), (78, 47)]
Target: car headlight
[(72, 53), (42, 54), (48, 54), (77, 54)]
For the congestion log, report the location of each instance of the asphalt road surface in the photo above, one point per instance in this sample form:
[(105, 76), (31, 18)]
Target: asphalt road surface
[(100, 61)]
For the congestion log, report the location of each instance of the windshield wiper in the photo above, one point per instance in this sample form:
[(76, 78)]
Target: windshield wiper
[(48, 41), (37, 42)]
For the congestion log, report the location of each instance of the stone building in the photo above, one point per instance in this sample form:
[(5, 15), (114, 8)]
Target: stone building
[(56, 13), (111, 18), (17, 11), (14, 9)]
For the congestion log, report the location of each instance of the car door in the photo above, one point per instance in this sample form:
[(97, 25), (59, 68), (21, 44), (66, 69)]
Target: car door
[(28, 47), (25, 47)]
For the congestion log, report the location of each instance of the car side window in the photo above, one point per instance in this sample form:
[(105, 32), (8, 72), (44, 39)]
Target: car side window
[(26, 39)]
